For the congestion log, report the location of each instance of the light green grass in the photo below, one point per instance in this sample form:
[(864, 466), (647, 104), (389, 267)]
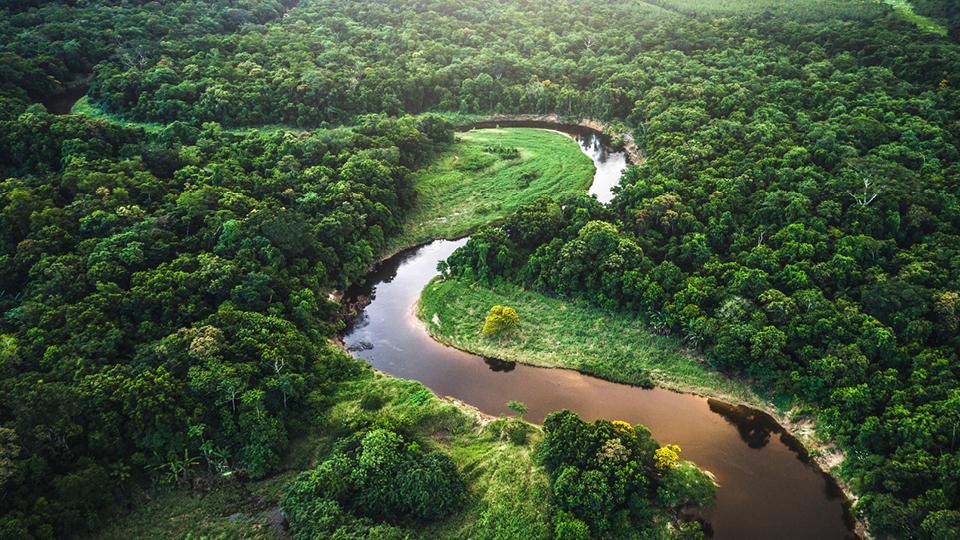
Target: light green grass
[(557, 333), (467, 187), (508, 496), (905, 9), (803, 10), (85, 107)]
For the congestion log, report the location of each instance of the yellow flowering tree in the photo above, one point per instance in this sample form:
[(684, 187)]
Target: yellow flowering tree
[(500, 320), (667, 457)]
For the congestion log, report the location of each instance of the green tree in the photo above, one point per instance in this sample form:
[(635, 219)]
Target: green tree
[(517, 407), (500, 321)]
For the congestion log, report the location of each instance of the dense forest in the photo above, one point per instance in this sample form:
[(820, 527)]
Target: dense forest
[(170, 293), (165, 273)]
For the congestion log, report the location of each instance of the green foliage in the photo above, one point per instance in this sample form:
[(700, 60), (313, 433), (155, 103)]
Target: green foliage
[(383, 476), (572, 335), (683, 485), (517, 407), (607, 478), (804, 243), (795, 217), (371, 402), (179, 294), (502, 151), (568, 527)]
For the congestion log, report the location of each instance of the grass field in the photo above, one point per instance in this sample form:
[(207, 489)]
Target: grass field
[(557, 333), (802, 10), (85, 107), (905, 9), (508, 497), (478, 180)]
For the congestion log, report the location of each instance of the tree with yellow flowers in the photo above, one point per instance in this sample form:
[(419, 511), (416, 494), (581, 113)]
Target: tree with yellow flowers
[(500, 320), (667, 457)]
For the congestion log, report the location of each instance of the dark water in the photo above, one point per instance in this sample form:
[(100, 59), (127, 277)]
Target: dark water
[(768, 489)]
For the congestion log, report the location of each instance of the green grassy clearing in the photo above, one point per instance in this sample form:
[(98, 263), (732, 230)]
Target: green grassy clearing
[(905, 9), (802, 10), (469, 186), (556, 333), (85, 107), (508, 497)]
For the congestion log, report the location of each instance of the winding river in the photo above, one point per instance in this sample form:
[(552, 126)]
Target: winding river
[(768, 487)]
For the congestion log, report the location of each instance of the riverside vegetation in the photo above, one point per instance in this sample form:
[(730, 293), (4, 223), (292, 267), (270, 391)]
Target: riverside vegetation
[(573, 335), (165, 291)]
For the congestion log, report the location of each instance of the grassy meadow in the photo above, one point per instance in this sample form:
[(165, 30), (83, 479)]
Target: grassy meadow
[(486, 175), (573, 335)]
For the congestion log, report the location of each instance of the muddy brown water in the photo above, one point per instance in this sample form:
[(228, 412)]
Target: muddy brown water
[(768, 487)]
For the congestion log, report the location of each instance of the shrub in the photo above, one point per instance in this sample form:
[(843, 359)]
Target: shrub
[(384, 475), (500, 320), (502, 151), (371, 402), (568, 527)]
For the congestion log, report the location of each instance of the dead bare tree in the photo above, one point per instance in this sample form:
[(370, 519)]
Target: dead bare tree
[(871, 189), (130, 57)]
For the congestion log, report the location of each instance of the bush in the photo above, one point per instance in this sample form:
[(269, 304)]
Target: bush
[(568, 527), (371, 402), (517, 432), (477, 162), (503, 152), (500, 320), (383, 476), (526, 178)]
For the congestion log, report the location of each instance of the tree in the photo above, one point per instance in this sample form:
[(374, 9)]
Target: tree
[(667, 457), (500, 320), (686, 485), (9, 450)]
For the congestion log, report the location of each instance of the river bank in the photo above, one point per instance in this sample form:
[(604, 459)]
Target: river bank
[(559, 334), (486, 175), (571, 335), (769, 486), (555, 121), (382, 326)]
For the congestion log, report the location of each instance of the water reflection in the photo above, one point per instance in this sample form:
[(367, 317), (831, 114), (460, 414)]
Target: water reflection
[(754, 427), (500, 366)]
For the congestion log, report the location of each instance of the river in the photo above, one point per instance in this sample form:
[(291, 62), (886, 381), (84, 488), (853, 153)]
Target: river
[(768, 486)]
